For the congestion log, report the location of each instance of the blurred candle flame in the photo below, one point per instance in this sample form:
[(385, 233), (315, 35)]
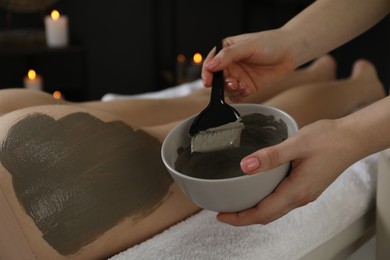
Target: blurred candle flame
[(55, 15), (57, 94), (181, 58), (197, 58), (31, 74)]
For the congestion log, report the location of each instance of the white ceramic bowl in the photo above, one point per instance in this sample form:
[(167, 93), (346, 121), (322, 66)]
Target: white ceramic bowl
[(225, 195)]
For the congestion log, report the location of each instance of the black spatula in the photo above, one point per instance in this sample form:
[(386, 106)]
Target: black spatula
[(218, 126)]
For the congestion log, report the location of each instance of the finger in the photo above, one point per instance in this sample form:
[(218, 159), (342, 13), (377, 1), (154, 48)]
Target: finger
[(271, 208), (231, 85), (243, 218), (238, 96), (224, 58), (207, 74), (270, 157), (231, 52), (235, 90), (279, 203)]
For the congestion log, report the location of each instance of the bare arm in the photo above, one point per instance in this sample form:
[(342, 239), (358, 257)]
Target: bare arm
[(327, 24), (370, 128), (253, 61)]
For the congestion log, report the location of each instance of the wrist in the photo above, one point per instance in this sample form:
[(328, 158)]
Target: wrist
[(351, 139), (297, 47), (366, 130)]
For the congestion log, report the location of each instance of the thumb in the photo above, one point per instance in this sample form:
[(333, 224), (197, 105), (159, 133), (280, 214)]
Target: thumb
[(268, 158), (232, 51)]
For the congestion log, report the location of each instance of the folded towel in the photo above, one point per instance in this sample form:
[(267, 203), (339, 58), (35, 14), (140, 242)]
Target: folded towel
[(290, 237)]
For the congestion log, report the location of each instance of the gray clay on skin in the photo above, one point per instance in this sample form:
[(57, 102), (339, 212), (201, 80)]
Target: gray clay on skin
[(78, 176)]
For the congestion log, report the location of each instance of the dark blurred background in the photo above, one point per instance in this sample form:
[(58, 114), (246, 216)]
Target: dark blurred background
[(131, 47)]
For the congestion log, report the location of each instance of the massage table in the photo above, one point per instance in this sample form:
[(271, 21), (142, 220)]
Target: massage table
[(354, 209)]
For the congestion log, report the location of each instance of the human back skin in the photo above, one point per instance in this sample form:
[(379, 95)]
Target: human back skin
[(73, 185)]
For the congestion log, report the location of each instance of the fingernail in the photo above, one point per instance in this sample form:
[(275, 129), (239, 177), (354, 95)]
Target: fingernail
[(250, 164), (230, 85)]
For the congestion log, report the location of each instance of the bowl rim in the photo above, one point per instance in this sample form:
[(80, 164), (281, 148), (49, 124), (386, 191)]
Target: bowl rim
[(294, 128)]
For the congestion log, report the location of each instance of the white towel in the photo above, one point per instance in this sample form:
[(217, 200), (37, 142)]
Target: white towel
[(291, 237), (175, 91)]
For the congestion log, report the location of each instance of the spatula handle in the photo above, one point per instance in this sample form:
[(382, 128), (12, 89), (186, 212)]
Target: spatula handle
[(217, 89)]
